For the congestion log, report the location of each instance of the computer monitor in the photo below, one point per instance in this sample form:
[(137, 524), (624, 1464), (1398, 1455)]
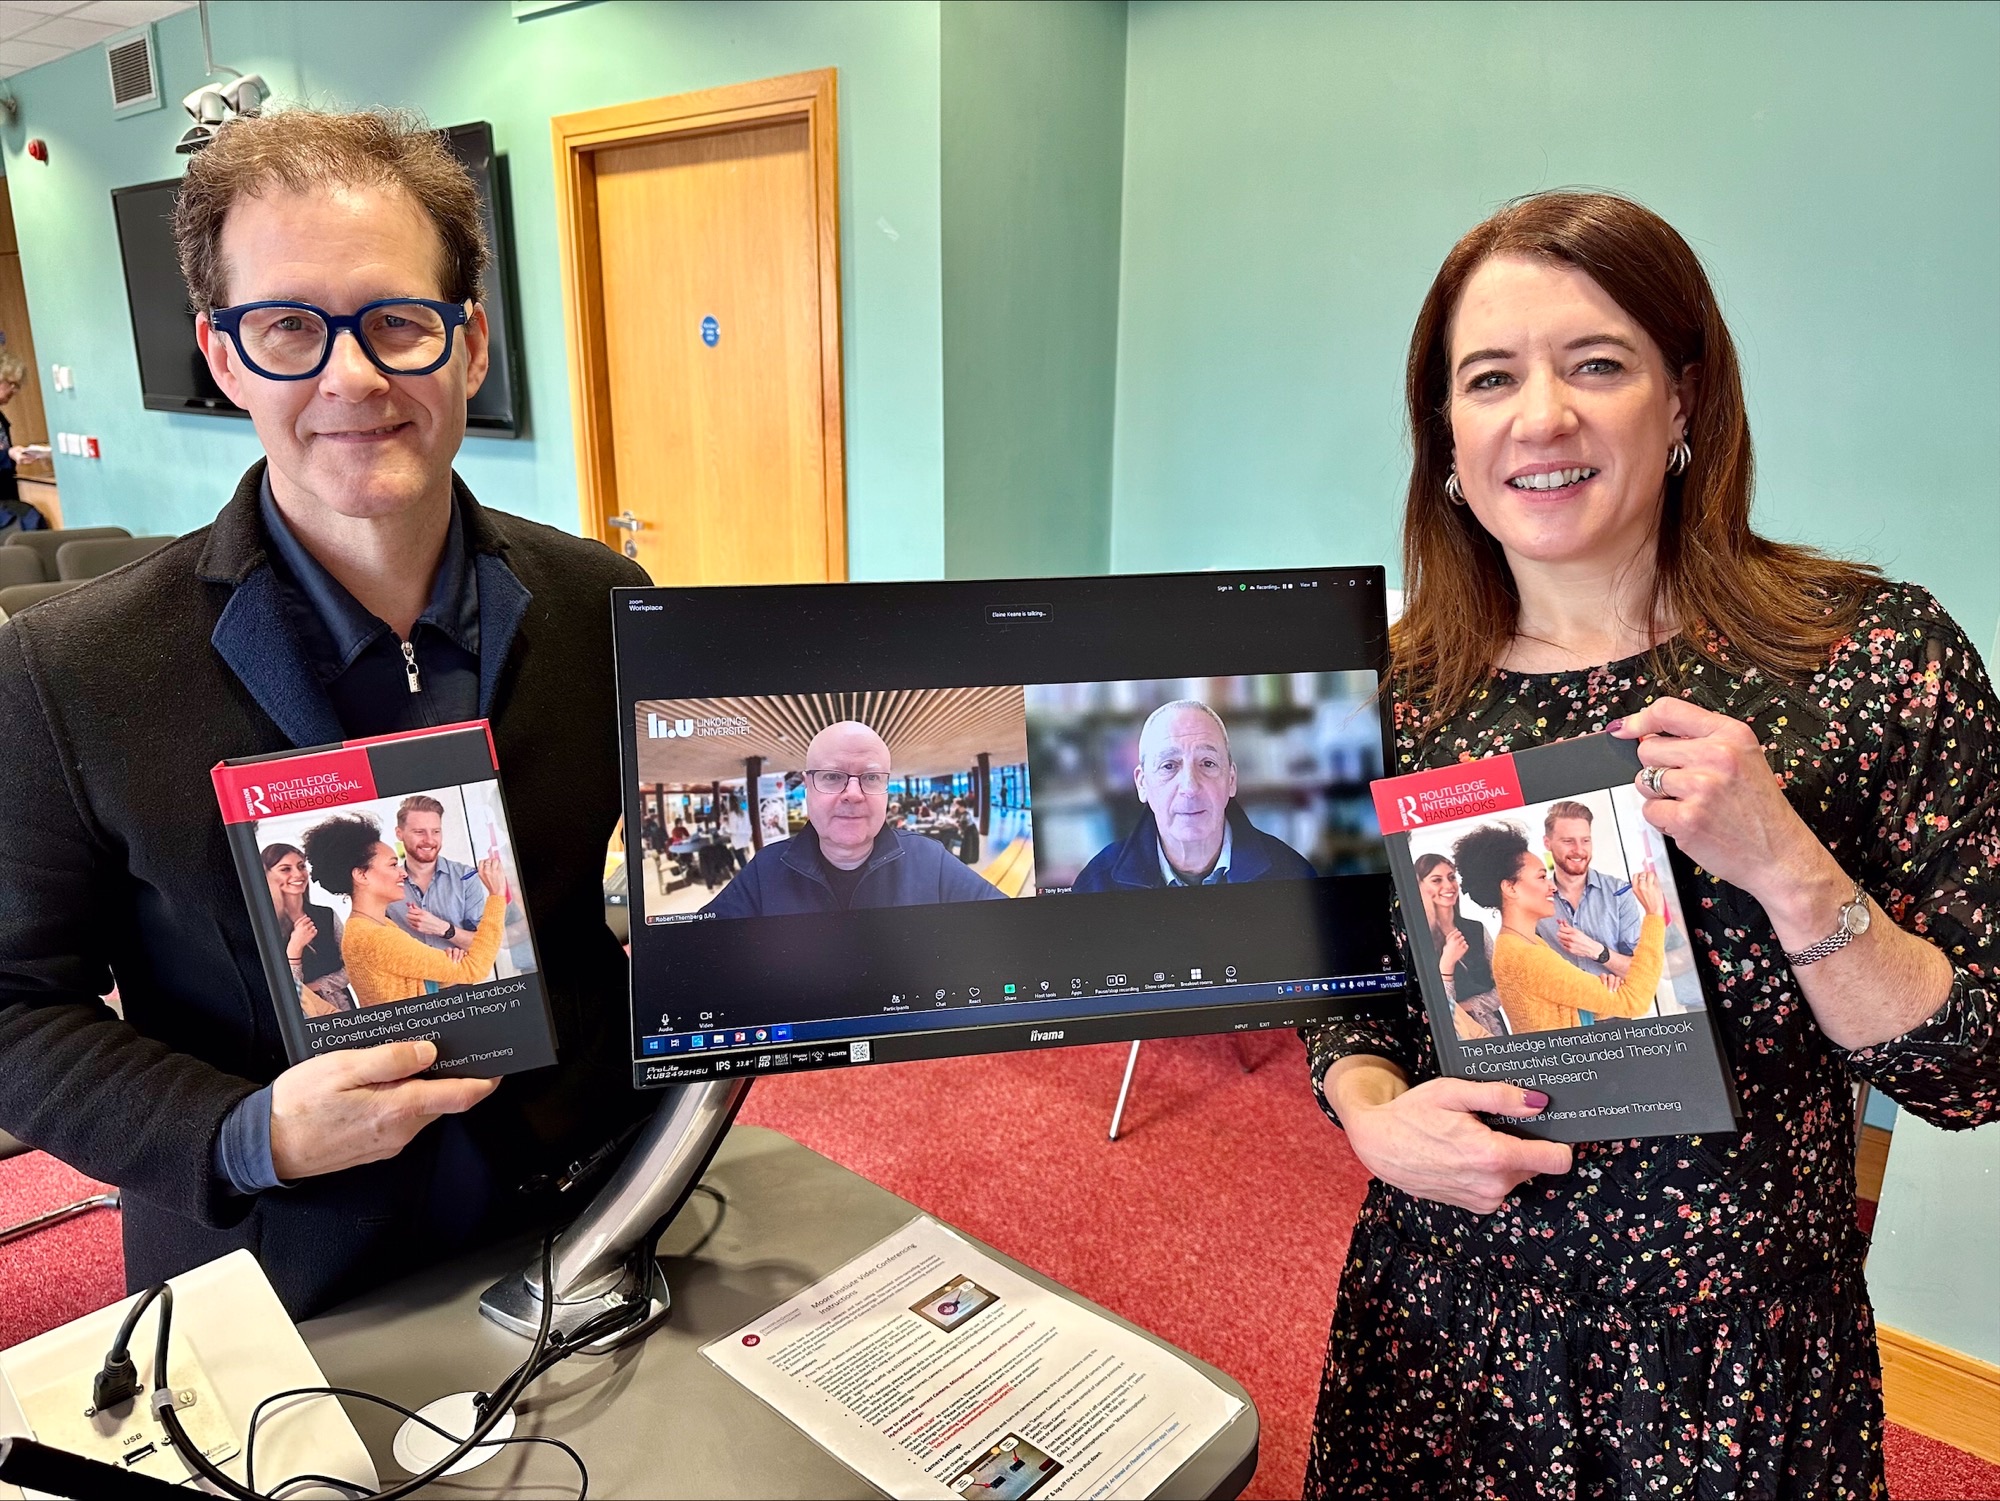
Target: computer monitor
[(874, 822)]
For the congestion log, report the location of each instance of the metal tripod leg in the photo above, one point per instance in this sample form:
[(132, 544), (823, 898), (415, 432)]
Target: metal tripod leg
[(1131, 1063)]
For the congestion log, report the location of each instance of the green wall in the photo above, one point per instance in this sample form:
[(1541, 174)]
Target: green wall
[(1295, 173), (1931, 1268), (465, 61), (1033, 143)]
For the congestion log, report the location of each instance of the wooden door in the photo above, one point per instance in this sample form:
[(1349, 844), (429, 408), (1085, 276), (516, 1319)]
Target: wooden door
[(702, 281), (24, 413)]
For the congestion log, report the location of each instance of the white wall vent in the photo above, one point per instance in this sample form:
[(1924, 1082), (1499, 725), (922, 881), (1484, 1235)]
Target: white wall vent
[(135, 72)]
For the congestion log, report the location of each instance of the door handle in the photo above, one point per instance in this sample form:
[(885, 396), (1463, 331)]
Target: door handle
[(625, 521)]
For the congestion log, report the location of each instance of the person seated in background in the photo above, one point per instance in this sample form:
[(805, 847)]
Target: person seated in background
[(442, 900), (384, 963), (311, 933), (17, 512), (849, 855), (1193, 832), (1596, 921), (1464, 951), (1538, 991)]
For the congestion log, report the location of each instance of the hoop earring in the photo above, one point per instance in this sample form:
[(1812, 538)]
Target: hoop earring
[(1679, 457), (1452, 489)]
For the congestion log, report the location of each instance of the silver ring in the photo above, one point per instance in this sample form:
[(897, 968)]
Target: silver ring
[(1652, 776)]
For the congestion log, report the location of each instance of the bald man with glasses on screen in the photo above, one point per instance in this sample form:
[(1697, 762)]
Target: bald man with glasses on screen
[(847, 856), (1193, 832)]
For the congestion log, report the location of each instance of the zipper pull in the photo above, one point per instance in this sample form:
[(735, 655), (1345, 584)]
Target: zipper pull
[(410, 666)]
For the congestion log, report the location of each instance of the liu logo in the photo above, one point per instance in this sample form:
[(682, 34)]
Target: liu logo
[(1406, 808), (668, 729), (253, 802)]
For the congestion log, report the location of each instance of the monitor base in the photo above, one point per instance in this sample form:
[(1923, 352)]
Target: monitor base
[(591, 1260), (515, 1304)]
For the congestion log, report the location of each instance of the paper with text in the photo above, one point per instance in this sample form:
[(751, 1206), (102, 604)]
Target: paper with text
[(933, 1370)]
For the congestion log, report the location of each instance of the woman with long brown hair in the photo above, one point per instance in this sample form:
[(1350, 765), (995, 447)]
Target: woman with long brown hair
[(1676, 1316)]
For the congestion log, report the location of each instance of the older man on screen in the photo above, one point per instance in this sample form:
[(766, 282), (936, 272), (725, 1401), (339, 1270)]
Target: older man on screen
[(1193, 832), (847, 856), (1596, 922)]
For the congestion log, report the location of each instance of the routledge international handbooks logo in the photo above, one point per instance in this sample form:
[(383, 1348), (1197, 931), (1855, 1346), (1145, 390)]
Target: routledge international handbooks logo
[(254, 803)]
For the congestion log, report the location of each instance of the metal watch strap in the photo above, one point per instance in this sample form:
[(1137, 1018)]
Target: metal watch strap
[(1835, 941)]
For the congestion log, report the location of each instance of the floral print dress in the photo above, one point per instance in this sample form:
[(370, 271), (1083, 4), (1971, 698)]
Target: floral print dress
[(1685, 1316)]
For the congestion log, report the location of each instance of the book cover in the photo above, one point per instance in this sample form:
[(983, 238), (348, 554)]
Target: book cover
[(1546, 931), (383, 887)]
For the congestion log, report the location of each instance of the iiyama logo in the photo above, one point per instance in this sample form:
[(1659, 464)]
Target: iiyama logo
[(1038, 1036)]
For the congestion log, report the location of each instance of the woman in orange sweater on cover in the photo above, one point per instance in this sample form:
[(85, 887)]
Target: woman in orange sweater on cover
[(1539, 989), (384, 963)]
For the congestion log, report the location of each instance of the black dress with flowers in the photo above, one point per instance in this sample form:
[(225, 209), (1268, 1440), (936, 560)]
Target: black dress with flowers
[(1685, 1316)]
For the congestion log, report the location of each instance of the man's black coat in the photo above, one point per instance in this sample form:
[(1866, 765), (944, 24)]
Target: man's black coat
[(115, 701)]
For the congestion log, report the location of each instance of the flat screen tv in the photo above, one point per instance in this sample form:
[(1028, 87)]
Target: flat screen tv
[(874, 822), (174, 378)]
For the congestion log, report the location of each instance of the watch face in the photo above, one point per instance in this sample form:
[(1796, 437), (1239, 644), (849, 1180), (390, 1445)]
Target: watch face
[(1856, 918)]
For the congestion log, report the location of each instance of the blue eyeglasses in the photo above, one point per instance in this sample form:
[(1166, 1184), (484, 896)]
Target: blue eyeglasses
[(294, 340)]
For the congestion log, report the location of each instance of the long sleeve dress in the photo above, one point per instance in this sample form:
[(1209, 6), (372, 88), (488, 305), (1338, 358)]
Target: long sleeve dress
[(1686, 1316)]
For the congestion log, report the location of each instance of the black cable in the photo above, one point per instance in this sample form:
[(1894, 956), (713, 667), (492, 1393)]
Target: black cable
[(117, 1381), (163, 1409), (257, 1417)]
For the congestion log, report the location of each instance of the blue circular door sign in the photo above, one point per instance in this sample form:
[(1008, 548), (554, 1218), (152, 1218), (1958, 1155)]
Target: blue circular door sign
[(711, 331)]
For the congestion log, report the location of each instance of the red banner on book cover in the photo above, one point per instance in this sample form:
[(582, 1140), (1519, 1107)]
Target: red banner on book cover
[(266, 789), (1451, 792)]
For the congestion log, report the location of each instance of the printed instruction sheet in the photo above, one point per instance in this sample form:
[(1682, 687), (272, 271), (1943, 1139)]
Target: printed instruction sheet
[(934, 1371)]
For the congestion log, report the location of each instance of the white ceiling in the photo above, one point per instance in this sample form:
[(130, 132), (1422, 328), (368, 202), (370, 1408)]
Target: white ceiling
[(33, 32)]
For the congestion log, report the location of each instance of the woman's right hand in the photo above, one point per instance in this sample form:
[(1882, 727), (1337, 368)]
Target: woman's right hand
[(1429, 1142), (494, 878), (304, 931), (1646, 887), (1454, 950)]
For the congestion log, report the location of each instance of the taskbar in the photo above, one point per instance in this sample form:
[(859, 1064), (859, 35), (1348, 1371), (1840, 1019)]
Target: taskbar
[(992, 1034)]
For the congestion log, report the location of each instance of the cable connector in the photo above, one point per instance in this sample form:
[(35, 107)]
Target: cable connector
[(116, 1384), (117, 1381)]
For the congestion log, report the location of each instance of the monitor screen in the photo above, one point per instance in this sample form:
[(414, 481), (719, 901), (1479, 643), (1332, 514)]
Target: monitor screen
[(173, 376), (874, 822)]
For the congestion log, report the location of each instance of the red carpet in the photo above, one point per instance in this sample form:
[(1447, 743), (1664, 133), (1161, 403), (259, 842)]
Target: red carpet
[(1218, 1221), (65, 1271)]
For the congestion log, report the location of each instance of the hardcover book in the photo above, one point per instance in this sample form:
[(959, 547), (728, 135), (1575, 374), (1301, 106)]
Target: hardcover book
[(382, 885), (1546, 931)]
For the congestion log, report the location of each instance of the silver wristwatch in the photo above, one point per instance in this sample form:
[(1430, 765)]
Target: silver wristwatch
[(1853, 923)]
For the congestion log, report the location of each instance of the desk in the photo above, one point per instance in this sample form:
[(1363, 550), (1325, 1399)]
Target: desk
[(658, 1419)]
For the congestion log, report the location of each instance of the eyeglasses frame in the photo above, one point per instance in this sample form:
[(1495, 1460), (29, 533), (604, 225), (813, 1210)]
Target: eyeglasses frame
[(228, 320), (852, 776)]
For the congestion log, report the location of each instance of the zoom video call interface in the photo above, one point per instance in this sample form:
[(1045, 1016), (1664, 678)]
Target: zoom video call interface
[(873, 822)]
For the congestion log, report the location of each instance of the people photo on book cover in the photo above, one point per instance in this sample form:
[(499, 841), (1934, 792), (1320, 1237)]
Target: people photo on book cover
[(392, 898), (1552, 916)]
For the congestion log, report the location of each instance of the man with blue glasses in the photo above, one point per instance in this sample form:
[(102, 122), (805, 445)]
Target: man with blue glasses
[(352, 587)]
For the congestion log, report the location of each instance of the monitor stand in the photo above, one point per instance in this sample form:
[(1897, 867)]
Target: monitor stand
[(592, 1267)]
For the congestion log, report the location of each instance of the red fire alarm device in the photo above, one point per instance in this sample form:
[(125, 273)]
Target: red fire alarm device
[(39, 150)]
